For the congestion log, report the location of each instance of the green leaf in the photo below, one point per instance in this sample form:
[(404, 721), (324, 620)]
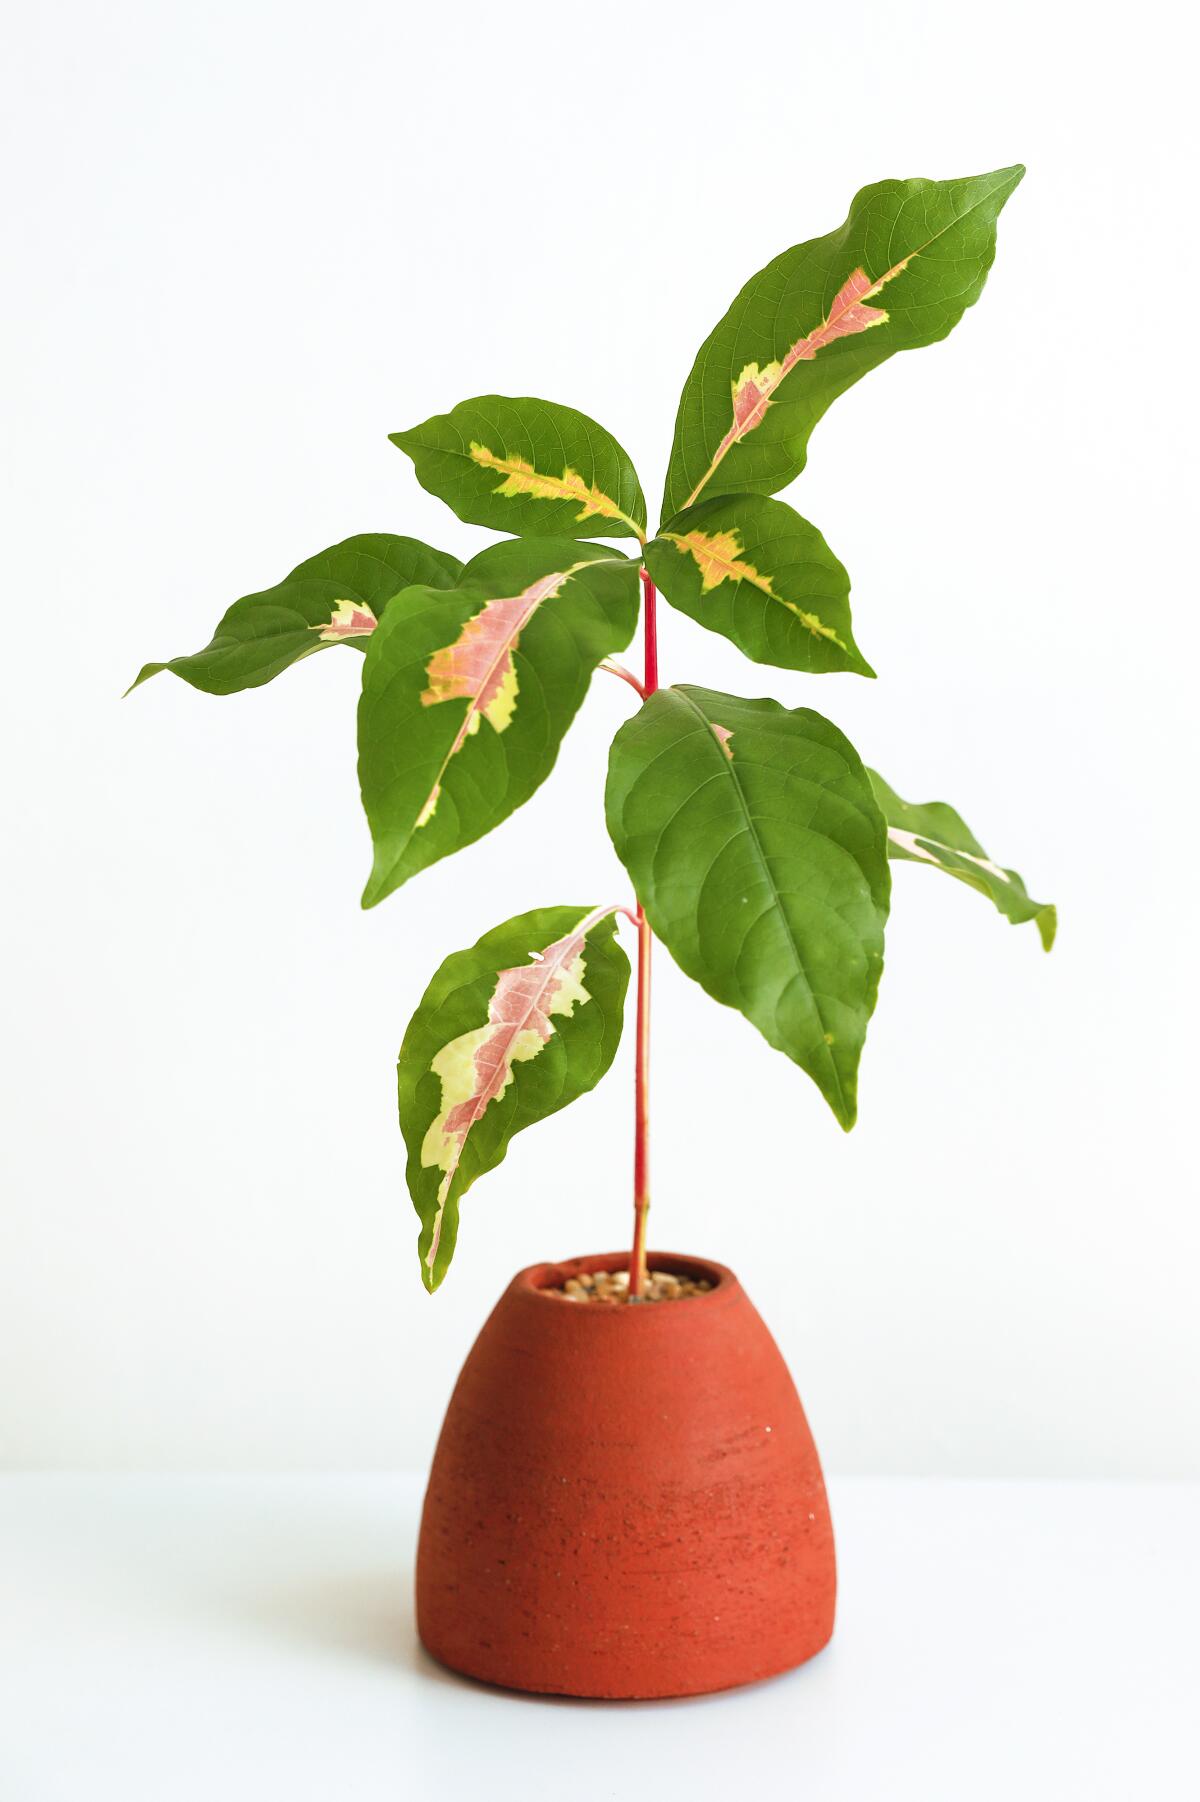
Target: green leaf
[(529, 467), (752, 569), (466, 695), (931, 833), (506, 1034), (900, 273), (758, 851), (336, 597)]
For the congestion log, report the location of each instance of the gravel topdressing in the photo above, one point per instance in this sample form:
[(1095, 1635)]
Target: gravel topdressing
[(612, 1287)]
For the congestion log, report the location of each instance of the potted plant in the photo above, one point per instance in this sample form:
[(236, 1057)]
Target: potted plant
[(572, 1541)]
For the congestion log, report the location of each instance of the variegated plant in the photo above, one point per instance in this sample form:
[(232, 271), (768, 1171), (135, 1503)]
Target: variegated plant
[(757, 842)]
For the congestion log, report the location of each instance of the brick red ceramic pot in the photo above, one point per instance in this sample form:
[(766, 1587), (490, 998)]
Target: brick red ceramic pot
[(625, 1501)]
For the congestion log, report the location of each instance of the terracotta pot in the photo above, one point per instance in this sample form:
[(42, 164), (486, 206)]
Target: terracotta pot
[(625, 1501)]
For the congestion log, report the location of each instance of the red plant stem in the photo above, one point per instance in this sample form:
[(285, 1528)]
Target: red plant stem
[(641, 1130), (641, 1134), (650, 617)]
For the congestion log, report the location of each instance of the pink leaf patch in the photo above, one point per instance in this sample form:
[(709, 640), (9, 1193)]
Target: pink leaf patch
[(754, 388), (477, 1067), (349, 619), (479, 667), (723, 734), (846, 316)]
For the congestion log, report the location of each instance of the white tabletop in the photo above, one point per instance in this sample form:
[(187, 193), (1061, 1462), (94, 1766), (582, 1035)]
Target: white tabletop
[(250, 1639)]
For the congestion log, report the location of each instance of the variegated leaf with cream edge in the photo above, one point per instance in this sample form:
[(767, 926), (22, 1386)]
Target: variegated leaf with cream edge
[(911, 257), (758, 850), (467, 694), (336, 597), (750, 568), (529, 467), (507, 1033), (931, 833)]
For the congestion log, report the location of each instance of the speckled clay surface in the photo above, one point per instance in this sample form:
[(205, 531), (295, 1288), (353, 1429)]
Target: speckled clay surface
[(625, 1501)]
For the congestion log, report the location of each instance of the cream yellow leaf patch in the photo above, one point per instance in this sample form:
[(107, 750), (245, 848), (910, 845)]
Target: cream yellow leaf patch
[(719, 558), (521, 478)]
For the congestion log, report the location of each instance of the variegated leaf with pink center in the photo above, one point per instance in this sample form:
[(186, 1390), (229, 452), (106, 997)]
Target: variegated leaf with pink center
[(750, 568), (466, 701), (507, 1033), (909, 260), (336, 597)]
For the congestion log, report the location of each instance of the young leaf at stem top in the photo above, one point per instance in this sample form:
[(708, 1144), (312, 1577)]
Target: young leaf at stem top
[(758, 850), (528, 466), (507, 1033), (467, 694), (911, 257)]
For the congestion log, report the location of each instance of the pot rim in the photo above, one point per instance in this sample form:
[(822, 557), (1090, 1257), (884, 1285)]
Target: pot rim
[(541, 1279)]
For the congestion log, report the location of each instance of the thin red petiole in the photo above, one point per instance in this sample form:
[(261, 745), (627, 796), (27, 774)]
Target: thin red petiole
[(611, 667)]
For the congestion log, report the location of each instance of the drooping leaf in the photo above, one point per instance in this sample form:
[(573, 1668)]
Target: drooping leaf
[(336, 597), (805, 328), (467, 694), (931, 833), (758, 850), (752, 569), (506, 1034), (529, 467)]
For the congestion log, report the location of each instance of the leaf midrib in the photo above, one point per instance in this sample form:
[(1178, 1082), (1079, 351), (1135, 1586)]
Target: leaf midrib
[(727, 765)]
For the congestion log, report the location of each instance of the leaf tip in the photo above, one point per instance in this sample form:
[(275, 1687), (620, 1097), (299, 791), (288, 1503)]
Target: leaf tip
[(144, 674), (1047, 925), (381, 883), (1009, 175), (843, 1101), (1009, 180)]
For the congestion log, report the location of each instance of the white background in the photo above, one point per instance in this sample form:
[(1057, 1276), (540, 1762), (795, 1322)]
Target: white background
[(994, 1640), (249, 240)]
